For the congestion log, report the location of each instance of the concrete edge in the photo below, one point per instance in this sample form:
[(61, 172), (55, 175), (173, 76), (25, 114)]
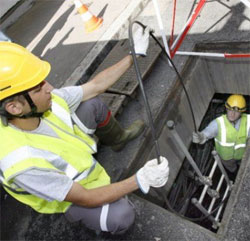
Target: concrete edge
[(234, 196), (15, 12), (189, 227), (103, 46)]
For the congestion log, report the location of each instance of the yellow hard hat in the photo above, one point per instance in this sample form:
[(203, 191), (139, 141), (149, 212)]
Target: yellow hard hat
[(236, 102), (20, 70)]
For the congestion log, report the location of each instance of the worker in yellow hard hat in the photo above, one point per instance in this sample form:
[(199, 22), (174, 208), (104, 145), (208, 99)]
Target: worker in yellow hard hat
[(230, 132), (46, 157)]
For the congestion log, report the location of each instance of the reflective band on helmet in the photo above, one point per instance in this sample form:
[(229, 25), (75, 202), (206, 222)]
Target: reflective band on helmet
[(235, 108)]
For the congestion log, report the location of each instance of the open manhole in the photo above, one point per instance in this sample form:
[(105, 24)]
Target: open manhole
[(189, 197), (209, 82)]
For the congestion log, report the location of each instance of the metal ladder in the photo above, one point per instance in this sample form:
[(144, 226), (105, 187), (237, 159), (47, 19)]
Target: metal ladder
[(212, 215)]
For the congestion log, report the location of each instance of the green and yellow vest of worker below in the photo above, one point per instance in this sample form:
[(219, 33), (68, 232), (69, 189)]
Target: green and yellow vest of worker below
[(231, 143), (70, 154)]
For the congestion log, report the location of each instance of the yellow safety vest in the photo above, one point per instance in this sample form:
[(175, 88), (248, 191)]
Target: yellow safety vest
[(70, 155), (231, 143)]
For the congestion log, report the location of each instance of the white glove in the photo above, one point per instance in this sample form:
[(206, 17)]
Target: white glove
[(153, 174), (141, 41), (199, 137)]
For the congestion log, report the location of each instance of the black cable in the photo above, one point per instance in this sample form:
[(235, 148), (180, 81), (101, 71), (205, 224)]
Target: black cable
[(178, 74), (149, 114), (145, 99)]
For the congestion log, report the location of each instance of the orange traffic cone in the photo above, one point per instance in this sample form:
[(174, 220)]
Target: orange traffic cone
[(91, 22)]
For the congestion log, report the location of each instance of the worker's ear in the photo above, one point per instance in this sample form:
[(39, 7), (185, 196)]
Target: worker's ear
[(14, 107)]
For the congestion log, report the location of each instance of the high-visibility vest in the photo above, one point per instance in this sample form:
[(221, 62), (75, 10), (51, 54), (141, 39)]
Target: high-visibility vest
[(70, 154), (229, 142)]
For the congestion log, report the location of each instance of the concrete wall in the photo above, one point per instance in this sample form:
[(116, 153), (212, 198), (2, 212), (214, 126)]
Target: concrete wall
[(6, 5), (11, 10)]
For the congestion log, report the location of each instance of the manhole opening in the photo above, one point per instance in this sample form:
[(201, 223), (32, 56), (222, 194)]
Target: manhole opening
[(187, 188), (209, 82)]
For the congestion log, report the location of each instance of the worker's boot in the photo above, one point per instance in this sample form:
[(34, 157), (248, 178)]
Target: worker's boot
[(112, 134)]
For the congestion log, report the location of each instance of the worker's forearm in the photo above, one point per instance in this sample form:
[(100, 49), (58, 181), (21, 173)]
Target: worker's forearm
[(109, 76), (101, 195), (112, 192)]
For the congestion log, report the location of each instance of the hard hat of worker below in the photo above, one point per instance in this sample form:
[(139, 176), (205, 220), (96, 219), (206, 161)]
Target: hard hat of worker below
[(236, 103), (20, 70)]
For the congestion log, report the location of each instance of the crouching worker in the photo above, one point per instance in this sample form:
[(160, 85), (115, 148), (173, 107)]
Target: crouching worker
[(46, 160), (230, 132)]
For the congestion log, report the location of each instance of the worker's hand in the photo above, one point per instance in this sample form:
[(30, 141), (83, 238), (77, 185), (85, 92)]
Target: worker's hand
[(153, 174), (199, 137), (141, 41)]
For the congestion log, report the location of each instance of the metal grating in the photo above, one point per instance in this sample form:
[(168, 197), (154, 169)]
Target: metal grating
[(128, 82), (114, 102)]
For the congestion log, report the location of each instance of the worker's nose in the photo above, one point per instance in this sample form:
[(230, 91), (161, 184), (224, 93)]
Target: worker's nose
[(231, 113)]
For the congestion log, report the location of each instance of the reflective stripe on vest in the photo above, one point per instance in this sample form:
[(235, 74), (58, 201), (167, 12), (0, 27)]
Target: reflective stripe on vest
[(26, 152), (248, 124), (62, 114), (223, 141), (92, 147)]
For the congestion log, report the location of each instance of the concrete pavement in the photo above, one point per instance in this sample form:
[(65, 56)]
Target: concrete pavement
[(55, 31)]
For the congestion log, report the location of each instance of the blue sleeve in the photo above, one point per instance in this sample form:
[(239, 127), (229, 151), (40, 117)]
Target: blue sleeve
[(211, 130)]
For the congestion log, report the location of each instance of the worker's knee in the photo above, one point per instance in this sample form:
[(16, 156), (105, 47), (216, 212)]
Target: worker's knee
[(121, 217), (91, 107), (92, 112)]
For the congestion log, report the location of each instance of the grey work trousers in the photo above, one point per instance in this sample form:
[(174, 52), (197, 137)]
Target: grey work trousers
[(92, 113), (231, 165), (114, 217)]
